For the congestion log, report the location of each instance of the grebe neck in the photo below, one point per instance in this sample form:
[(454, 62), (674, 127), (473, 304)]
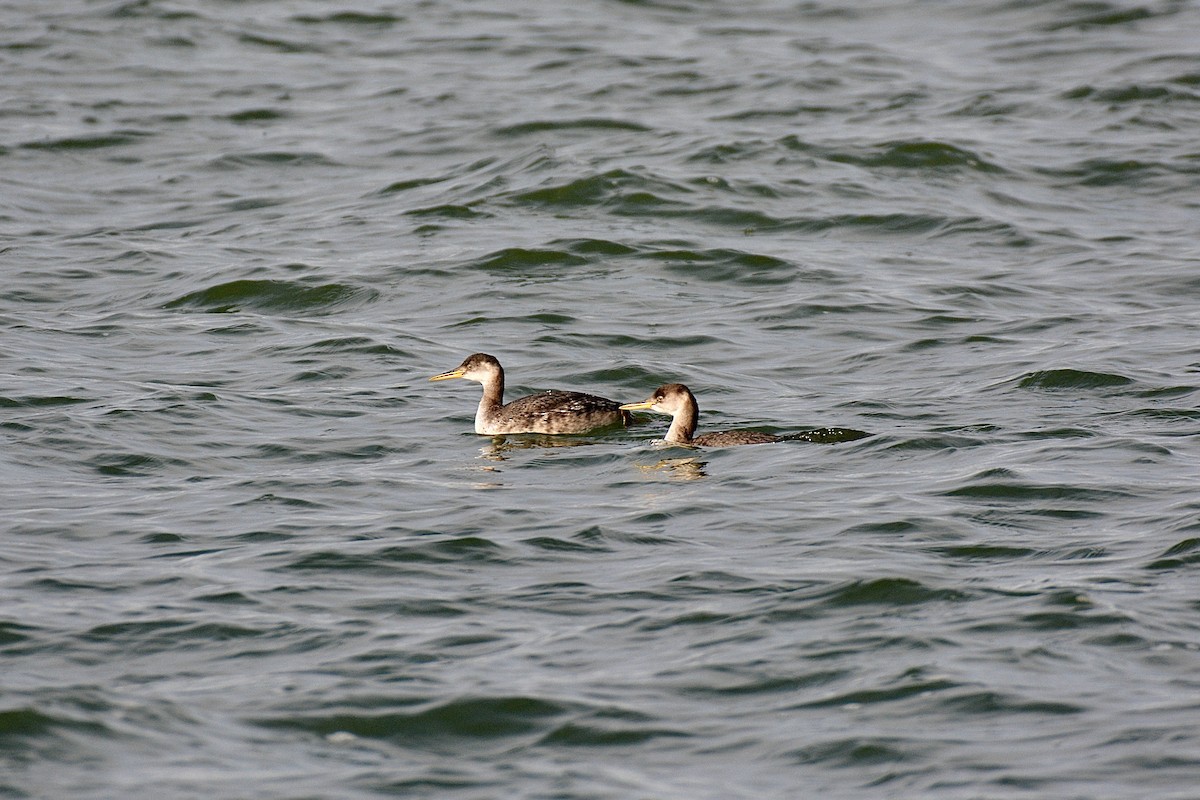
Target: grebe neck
[(683, 422)]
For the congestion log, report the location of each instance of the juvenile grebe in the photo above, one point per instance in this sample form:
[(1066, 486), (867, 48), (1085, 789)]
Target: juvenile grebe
[(548, 412), (678, 401)]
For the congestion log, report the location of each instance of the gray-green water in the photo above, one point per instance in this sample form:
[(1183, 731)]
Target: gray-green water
[(248, 551)]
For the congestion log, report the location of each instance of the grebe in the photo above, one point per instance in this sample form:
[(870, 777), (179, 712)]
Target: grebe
[(548, 412), (678, 401)]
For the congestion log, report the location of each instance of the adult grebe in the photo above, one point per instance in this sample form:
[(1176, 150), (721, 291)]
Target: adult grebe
[(678, 401), (548, 412)]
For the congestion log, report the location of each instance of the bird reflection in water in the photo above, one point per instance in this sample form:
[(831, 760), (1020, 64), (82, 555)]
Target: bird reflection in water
[(678, 469), (500, 446)]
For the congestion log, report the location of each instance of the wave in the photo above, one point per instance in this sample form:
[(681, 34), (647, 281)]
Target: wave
[(1071, 379), (272, 297)]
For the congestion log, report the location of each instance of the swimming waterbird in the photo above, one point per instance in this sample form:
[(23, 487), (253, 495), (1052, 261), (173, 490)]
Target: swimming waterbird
[(551, 411), (678, 401)]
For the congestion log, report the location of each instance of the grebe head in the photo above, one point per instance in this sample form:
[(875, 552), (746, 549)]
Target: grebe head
[(478, 367), (670, 399)]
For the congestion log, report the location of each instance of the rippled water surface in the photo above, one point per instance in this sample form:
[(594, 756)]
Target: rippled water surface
[(250, 551)]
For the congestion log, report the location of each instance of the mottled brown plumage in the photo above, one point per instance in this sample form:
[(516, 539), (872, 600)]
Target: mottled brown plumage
[(551, 411)]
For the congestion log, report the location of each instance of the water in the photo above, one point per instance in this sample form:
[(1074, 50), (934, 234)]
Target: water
[(249, 551)]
